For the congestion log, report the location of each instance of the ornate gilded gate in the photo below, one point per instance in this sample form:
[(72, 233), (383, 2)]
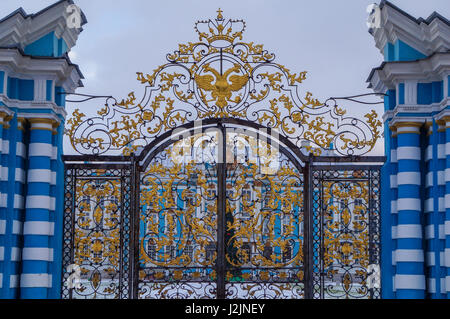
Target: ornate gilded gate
[(223, 188)]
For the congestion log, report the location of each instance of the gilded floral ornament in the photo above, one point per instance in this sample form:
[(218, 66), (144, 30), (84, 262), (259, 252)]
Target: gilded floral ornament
[(222, 77)]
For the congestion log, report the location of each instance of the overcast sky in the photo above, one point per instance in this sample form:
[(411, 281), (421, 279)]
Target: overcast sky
[(327, 38)]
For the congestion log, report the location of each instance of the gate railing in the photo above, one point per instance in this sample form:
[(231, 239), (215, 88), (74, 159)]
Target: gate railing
[(341, 227), (345, 226)]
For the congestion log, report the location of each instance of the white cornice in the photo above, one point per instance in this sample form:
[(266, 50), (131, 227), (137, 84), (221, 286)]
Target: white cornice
[(21, 29), (433, 68), (425, 36), (31, 105), (435, 108), (64, 73)]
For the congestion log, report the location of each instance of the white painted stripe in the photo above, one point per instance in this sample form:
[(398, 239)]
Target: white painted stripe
[(431, 285), (447, 228), (53, 180), (447, 149), (441, 232), (393, 283), (43, 254), (431, 260), (4, 172), (14, 281), (5, 147), (409, 204), (2, 227), (441, 151), (16, 254), (21, 150), (39, 228), (1, 280), (447, 283), (441, 203), (40, 149), (442, 259), (394, 156), (447, 257), (429, 205), (429, 153), (443, 288), (40, 202), (447, 200), (429, 232), (447, 174), (394, 233), (429, 179), (409, 255), (20, 175), (408, 129), (19, 201), (55, 153), (393, 206), (47, 126), (40, 176), (409, 178), (2, 253), (408, 153), (409, 231), (35, 280), (410, 282), (17, 227), (4, 200), (441, 178), (394, 181)]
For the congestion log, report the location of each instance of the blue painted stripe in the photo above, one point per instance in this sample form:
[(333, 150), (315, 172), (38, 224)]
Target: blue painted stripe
[(406, 216), (57, 240), (13, 268), (386, 230), (37, 214), (401, 93)]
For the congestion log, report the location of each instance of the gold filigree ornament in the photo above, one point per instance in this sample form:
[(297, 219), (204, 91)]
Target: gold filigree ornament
[(222, 77)]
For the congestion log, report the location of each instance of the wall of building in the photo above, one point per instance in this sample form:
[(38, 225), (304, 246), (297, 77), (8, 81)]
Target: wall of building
[(416, 206), (34, 71)]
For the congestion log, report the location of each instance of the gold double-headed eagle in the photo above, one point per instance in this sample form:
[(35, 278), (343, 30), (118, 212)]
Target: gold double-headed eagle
[(221, 90)]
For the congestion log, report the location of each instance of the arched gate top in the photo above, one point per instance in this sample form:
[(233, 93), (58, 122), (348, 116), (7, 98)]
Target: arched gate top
[(222, 77)]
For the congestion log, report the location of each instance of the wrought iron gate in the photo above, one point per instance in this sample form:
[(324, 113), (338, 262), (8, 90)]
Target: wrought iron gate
[(223, 189), (212, 230)]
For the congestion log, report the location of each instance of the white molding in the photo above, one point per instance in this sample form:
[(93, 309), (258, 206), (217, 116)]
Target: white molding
[(426, 38), (26, 30), (57, 69), (30, 105), (434, 68)]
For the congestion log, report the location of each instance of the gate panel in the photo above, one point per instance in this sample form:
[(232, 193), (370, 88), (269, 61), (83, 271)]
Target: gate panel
[(346, 232), (178, 222), (264, 222), (97, 232)]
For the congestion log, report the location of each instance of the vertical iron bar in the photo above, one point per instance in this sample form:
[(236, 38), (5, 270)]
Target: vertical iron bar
[(221, 211), (307, 217), (134, 224), (370, 226), (72, 235), (321, 231)]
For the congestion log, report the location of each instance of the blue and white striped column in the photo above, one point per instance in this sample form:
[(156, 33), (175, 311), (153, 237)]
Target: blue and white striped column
[(434, 207), (394, 194), (13, 161), (441, 152), (447, 208), (36, 278), (409, 255), (56, 216), (4, 238)]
